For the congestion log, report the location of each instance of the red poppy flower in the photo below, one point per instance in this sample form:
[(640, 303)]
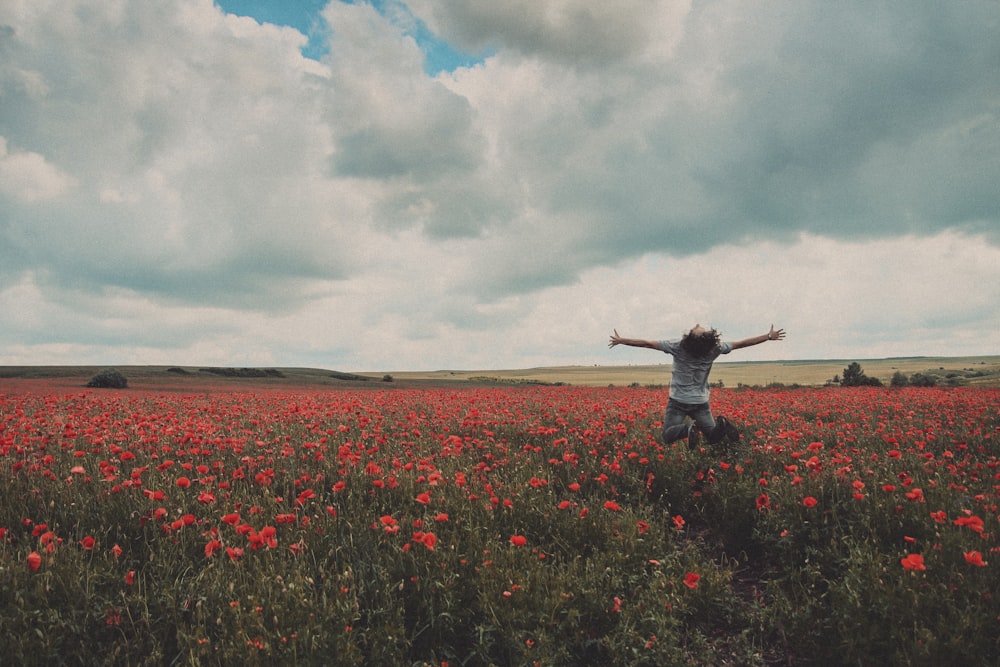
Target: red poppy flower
[(613, 506), (88, 542), (34, 561), (518, 540), (913, 562), (212, 547), (809, 501), (973, 523), (427, 539), (974, 558), (691, 579)]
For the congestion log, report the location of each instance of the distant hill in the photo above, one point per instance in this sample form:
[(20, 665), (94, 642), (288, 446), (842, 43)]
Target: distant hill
[(983, 370)]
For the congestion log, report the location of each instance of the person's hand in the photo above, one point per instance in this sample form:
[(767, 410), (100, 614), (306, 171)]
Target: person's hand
[(615, 339), (775, 334)]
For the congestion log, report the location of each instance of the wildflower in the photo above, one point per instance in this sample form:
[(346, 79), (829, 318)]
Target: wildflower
[(691, 580), (389, 524), (809, 501), (679, 522), (613, 506), (424, 498), (973, 523), (763, 502), (183, 482), (913, 562), (427, 539), (212, 547), (130, 577), (518, 540), (34, 561), (974, 558), (116, 551)]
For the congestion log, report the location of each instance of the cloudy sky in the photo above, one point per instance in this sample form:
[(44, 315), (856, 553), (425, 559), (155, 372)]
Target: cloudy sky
[(472, 184)]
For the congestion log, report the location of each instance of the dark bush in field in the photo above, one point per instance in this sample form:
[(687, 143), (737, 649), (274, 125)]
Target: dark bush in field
[(244, 372), (854, 376), (108, 378)]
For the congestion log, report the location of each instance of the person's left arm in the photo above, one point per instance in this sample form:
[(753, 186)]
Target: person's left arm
[(773, 334)]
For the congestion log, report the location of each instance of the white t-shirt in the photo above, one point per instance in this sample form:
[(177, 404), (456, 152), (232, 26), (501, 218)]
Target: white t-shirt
[(689, 377)]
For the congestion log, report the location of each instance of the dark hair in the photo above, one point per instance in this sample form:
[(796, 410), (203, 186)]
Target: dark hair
[(700, 345)]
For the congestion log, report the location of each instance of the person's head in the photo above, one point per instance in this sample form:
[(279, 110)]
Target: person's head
[(699, 341)]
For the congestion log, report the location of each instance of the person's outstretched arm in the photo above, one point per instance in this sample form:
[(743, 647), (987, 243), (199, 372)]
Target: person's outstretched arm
[(773, 334), (632, 342)]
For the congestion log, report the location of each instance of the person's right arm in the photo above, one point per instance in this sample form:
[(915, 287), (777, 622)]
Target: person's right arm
[(632, 342)]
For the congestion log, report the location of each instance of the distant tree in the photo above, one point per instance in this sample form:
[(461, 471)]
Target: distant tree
[(854, 376), (899, 379), (108, 378), (923, 380)]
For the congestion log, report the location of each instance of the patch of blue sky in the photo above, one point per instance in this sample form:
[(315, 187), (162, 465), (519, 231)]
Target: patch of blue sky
[(305, 16)]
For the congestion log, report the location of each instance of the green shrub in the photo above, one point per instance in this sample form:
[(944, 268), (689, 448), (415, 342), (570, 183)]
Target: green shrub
[(108, 378)]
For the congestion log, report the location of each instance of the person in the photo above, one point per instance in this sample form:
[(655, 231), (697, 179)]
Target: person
[(693, 356)]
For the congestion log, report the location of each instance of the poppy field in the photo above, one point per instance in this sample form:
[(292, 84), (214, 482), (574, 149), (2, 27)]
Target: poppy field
[(526, 525)]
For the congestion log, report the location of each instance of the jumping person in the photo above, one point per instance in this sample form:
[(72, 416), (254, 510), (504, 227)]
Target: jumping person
[(693, 356)]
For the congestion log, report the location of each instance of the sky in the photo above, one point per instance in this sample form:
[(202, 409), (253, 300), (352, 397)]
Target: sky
[(470, 184)]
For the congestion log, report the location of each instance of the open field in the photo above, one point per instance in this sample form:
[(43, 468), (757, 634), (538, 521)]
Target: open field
[(731, 374)]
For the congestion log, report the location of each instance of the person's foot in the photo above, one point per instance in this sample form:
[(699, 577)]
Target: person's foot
[(729, 430), (693, 435)]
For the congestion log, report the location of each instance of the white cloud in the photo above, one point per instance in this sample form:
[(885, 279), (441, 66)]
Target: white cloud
[(29, 177), (177, 182)]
